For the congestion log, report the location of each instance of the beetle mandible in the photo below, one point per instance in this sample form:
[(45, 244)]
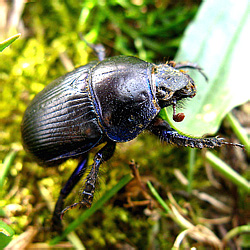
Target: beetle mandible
[(107, 101)]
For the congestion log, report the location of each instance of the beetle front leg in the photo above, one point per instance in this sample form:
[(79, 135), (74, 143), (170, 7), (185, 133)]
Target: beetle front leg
[(87, 195), (72, 181), (163, 130)]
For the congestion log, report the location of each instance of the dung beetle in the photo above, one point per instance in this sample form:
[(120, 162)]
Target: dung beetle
[(106, 101)]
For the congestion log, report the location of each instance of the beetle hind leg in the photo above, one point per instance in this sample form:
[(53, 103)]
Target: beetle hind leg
[(72, 181), (99, 49)]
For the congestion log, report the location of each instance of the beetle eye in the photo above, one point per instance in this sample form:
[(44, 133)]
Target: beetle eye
[(187, 91), (163, 93)]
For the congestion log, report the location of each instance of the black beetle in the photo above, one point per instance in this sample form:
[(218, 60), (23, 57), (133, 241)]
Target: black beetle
[(106, 101)]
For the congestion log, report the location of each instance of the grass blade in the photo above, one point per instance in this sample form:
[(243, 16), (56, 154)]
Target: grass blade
[(227, 171), (8, 41)]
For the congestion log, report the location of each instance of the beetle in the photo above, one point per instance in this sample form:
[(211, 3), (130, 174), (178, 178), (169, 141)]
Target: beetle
[(107, 101)]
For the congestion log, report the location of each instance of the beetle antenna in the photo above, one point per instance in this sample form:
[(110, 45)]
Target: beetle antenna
[(191, 66)]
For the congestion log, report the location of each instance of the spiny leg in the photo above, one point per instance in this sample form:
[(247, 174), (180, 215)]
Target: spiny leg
[(72, 181), (163, 130), (86, 196), (99, 49)]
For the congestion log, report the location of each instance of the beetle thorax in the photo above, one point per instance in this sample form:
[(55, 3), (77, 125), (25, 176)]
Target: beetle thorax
[(123, 97)]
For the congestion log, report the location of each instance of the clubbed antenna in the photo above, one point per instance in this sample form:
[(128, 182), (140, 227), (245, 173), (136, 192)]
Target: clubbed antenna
[(188, 65)]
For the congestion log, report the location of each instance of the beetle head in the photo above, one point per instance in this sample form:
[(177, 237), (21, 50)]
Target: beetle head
[(172, 85)]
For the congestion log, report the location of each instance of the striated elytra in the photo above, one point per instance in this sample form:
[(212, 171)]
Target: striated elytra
[(106, 101)]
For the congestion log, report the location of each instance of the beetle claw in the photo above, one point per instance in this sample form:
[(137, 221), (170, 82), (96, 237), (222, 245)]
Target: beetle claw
[(80, 204), (68, 208)]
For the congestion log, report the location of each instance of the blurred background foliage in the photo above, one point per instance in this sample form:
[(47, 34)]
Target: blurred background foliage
[(48, 48)]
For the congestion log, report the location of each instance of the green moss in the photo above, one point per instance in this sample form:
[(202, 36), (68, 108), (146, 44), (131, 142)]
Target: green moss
[(151, 31)]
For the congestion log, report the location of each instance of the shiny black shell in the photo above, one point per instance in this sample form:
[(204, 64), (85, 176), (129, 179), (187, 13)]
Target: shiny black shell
[(124, 96), (112, 99)]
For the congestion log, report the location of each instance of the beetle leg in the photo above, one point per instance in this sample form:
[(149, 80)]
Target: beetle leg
[(163, 130), (99, 49), (72, 181), (89, 187), (86, 196)]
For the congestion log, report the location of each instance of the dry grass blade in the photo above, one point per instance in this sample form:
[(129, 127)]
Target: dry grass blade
[(217, 204), (198, 232), (180, 176), (215, 221), (24, 239), (201, 234)]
